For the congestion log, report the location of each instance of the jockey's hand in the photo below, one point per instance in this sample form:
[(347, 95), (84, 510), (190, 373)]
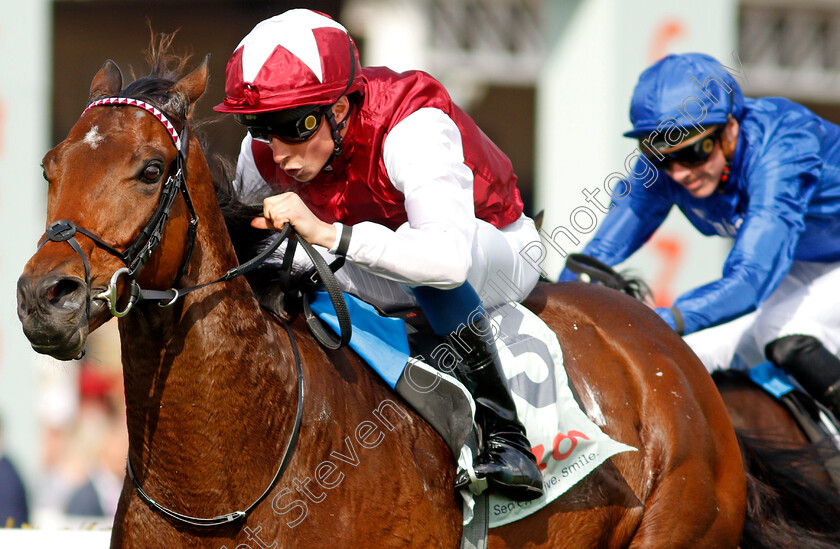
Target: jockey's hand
[(289, 208)]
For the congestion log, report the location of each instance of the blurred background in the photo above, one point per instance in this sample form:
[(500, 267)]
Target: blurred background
[(548, 80)]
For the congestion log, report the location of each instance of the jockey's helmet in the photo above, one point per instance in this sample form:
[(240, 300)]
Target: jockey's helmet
[(296, 59), (691, 90)]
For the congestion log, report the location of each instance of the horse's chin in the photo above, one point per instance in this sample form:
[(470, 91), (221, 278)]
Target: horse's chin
[(67, 349), (60, 344), (64, 338)]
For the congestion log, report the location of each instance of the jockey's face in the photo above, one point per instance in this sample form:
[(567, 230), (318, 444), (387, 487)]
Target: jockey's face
[(304, 160), (699, 180), (702, 180)]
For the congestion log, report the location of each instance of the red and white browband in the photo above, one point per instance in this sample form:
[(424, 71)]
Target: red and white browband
[(151, 109)]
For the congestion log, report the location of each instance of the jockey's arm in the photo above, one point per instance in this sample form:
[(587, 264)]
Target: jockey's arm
[(780, 187), (423, 155), (424, 159), (628, 225)]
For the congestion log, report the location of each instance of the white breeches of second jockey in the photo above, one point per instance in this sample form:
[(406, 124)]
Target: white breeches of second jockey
[(499, 273), (805, 303)]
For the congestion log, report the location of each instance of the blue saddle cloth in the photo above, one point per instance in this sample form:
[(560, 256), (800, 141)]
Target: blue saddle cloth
[(381, 341)]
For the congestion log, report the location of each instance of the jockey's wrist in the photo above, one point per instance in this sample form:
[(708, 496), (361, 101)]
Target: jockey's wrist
[(342, 238)]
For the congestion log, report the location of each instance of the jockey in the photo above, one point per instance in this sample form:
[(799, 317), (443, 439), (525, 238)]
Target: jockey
[(382, 168), (763, 172)]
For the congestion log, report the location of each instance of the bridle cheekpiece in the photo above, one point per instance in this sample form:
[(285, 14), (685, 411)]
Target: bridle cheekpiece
[(138, 252)]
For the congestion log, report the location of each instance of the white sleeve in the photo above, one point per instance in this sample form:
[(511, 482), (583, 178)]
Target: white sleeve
[(249, 186), (424, 158)]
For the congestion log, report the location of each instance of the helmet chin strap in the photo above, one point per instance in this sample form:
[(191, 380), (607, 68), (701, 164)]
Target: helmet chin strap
[(336, 128), (728, 149)]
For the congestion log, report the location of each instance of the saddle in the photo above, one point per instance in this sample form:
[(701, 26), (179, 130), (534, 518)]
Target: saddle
[(391, 345), (815, 420), (414, 361)]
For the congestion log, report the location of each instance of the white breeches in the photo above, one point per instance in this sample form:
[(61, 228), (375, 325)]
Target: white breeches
[(805, 303)]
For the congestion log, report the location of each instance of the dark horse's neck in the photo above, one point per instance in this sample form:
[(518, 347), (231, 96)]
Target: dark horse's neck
[(199, 378)]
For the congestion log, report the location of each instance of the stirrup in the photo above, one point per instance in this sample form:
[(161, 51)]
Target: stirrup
[(518, 467), (476, 484), (517, 492)]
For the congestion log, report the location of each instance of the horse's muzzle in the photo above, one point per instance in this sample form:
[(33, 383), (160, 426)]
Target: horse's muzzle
[(53, 312)]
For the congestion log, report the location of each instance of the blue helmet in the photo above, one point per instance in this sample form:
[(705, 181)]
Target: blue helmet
[(690, 88)]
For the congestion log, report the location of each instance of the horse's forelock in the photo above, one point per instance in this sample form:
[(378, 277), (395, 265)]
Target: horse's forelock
[(158, 91), (165, 69)]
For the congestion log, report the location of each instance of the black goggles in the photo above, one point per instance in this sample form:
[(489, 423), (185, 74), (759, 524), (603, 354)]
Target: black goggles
[(295, 126), (691, 155)]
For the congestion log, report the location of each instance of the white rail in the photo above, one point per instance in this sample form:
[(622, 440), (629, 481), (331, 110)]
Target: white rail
[(52, 539)]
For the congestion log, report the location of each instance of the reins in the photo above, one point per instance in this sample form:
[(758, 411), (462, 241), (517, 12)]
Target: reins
[(590, 270)]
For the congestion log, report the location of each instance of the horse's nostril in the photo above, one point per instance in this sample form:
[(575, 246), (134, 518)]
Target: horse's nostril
[(60, 292)]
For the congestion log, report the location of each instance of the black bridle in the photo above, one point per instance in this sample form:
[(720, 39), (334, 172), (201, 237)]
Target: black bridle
[(138, 252)]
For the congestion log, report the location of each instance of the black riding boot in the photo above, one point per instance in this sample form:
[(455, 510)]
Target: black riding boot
[(811, 364), (506, 459)]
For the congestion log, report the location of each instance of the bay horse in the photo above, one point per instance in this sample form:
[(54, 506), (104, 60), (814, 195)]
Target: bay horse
[(245, 432), (790, 486)]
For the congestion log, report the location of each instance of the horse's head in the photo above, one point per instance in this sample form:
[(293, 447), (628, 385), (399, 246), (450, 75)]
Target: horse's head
[(112, 207)]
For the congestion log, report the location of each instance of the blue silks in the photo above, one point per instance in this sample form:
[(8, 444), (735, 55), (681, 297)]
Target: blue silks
[(381, 341), (780, 204), (774, 380), (683, 91)]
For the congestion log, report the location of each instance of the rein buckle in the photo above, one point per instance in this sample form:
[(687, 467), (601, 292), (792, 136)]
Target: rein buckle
[(110, 295)]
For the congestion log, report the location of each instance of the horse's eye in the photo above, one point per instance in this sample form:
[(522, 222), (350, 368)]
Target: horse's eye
[(151, 173)]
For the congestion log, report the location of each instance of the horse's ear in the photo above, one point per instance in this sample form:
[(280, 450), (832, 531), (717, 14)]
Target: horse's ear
[(107, 82), (192, 86)]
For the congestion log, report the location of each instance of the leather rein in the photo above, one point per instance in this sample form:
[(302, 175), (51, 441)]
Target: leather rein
[(138, 252)]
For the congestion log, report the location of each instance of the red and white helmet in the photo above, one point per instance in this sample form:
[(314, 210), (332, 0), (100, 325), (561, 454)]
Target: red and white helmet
[(300, 57)]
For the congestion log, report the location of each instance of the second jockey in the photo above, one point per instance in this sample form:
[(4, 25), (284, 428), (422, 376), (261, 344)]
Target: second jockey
[(762, 172)]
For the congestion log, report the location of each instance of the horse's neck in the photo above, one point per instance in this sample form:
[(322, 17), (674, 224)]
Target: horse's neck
[(209, 377)]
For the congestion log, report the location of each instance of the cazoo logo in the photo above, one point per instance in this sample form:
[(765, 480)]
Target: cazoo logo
[(556, 453)]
